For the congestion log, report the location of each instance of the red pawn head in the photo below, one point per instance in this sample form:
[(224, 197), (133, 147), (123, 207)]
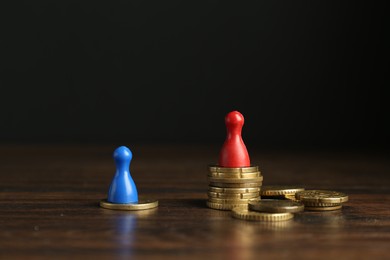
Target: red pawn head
[(233, 153)]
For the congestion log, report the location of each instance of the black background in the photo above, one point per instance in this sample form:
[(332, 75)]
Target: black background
[(303, 73)]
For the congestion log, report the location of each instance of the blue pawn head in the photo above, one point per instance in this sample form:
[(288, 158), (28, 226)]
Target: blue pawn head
[(122, 189)]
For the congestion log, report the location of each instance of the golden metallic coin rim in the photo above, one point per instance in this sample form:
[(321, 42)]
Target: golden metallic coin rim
[(221, 206), (323, 208), (235, 180), (236, 185), (229, 201), (318, 204), (337, 199), (233, 190), (216, 168), (142, 204), (234, 175), (244, 213), (261, 206), (280, 190), (220, 195)]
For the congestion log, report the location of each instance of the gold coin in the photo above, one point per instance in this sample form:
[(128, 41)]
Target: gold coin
[(229, 201), (244, 213), (233, 190), (321, 196), (140, 205), (280, 190), (214, 168), (235, 180), (323, 208), (222, 206), (317, 204), (233, 195), (222, 175), (236, 185), (275, 206)]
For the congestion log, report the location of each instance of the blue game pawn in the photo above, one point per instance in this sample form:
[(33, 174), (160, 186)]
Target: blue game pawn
[(122, 189), (123, 194)]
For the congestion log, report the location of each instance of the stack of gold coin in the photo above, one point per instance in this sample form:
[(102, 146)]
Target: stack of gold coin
[(233, 187), (321, 200)]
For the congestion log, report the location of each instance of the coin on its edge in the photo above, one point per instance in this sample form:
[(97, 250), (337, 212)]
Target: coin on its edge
[(275, 206), (321, 196), (244, 213), (141, 205)]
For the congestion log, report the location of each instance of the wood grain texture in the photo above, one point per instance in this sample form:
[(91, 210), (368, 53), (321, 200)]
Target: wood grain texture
[(49, 197)]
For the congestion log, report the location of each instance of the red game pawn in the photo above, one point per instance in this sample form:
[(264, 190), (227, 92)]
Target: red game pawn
[(234, 153)]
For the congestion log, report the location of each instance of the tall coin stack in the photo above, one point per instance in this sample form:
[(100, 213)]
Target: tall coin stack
[(233, 187)]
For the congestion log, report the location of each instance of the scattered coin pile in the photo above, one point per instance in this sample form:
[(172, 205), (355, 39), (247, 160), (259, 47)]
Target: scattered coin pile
[(321, 200), (233, 187), (277, 203), (288, 200)]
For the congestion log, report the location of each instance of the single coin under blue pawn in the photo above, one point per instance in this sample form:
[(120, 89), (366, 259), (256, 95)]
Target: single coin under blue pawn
[(122, 194)]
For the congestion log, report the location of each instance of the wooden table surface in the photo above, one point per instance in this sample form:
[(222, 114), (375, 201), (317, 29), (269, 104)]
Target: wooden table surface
[(49, 197)]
